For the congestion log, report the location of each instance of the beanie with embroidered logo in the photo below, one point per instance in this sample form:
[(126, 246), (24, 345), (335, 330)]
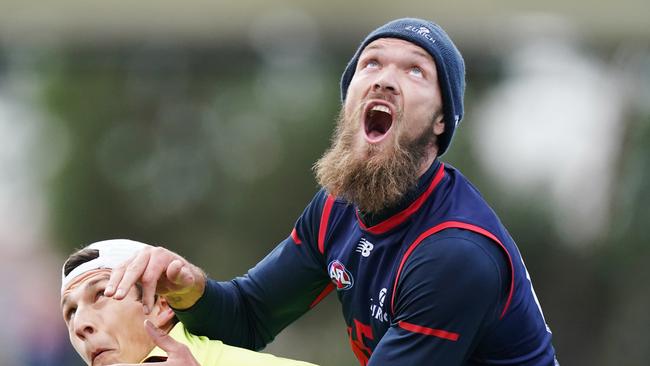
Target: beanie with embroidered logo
[(450, 66)]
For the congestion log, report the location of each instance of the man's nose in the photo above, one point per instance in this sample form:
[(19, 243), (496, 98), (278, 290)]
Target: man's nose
[(84, 325), (386, 81)]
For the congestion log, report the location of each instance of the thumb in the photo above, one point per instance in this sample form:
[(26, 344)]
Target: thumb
[(180, 274)]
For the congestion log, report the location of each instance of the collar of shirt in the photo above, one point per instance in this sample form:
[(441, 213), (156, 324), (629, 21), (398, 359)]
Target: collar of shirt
[(372, 219)]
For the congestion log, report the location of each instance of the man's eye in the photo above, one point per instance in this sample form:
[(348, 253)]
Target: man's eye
[(416, 71), (69, 313), (372, 64), (99, 294)]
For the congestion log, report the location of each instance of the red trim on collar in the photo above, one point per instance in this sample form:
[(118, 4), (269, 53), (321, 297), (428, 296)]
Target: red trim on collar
[(403, 215), (324, 220), (457, 225), (294, 236)]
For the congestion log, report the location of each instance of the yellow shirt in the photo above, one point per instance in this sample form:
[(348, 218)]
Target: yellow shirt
[(214, 353)]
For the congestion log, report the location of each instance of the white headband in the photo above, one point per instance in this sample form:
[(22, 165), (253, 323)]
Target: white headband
[(112, 253)]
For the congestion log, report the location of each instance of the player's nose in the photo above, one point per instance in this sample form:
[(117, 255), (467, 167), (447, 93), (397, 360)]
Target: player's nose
[(386, 81), (84, 323)]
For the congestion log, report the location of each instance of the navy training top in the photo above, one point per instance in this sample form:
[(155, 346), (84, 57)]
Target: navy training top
[(437, 281)]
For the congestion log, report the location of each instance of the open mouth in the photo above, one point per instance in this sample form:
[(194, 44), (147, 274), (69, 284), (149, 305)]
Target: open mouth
[(378, 119)]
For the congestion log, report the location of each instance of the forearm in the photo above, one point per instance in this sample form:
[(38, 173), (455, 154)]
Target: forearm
[(250, 311), (221, 313)]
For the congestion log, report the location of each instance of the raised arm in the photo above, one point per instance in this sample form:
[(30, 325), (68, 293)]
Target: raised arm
[(248, 311)]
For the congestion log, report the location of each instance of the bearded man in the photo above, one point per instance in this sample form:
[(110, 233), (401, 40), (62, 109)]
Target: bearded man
[(425, 272)]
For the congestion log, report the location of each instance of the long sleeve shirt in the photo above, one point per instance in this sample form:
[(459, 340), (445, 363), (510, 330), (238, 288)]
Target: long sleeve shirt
[(437, 281)]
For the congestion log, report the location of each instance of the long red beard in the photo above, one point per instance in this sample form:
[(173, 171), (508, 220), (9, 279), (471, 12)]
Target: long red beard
[(371, 177)]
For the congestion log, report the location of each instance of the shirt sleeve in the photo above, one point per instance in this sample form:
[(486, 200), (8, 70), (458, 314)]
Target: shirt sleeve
[(251, 310), (451, 289)]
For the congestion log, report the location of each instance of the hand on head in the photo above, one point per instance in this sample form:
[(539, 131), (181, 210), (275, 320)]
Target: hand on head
[(162, 272)]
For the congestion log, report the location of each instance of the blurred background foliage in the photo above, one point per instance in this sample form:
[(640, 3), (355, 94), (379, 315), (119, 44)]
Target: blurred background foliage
[(204, 144)]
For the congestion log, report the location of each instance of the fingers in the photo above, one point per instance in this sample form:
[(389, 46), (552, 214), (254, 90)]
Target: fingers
[(133, 272), (147, 267), (116, 277), (125, 276), (160, 338), (159, 271), (178, 353), (156, 266)]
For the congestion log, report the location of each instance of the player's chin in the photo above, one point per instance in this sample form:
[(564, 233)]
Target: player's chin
[(385, 145)]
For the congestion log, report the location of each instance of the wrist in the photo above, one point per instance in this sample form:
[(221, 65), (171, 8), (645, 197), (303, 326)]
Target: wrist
[(187, 298)]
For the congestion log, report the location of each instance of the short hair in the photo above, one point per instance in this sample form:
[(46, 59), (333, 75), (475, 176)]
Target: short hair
[(78, 258)]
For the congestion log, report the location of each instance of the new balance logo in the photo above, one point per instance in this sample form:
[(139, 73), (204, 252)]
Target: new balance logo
[(364, 247)]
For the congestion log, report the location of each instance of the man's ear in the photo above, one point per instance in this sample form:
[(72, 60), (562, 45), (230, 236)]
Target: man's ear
[(162, 313), (438, 125)]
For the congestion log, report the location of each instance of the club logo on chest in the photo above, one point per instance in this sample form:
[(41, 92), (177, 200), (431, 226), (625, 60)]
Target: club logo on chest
[(340, 276)]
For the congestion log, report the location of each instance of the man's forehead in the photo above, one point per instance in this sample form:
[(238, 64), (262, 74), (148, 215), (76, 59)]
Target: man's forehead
[(387, 43), (86, 280)]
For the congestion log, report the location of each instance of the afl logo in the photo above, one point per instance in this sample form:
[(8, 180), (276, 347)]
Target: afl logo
[(340, 276)]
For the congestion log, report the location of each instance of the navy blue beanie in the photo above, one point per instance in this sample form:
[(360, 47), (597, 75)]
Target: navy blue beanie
[(449, 64)]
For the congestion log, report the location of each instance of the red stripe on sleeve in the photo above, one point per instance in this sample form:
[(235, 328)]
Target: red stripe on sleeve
[(324, 219), (294, 236), (326, 291), (429, 331)]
